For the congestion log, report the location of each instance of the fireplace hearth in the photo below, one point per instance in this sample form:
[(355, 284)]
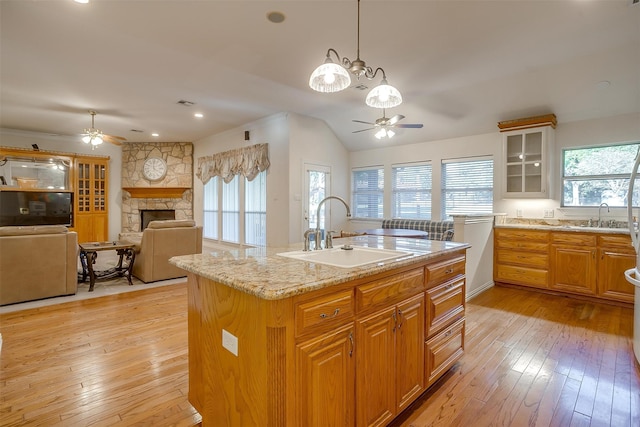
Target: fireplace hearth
[(148, 215)]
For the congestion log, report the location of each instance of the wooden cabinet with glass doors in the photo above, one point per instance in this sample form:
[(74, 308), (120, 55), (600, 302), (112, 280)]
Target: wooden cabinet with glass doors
[(527, 150), (91, 207)]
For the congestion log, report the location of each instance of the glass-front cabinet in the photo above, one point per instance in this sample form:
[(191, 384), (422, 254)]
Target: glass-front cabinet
[(34, 171), (527, 154)]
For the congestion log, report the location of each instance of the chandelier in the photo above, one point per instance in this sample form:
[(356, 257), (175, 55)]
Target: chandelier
[(92, 135), (331, 77)]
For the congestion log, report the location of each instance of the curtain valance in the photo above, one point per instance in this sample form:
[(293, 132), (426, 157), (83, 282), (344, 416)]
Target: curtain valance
[(248, 162)]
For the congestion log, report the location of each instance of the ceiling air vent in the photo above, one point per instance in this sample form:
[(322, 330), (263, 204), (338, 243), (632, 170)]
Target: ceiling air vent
[(186, 103), (136, 130), (634, 2)]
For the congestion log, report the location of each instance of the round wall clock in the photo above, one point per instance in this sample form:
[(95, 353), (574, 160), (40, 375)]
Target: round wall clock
[(154, 168)]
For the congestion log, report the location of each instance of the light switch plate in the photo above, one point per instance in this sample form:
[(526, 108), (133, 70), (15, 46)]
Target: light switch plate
[(548, 213), (230, 342)]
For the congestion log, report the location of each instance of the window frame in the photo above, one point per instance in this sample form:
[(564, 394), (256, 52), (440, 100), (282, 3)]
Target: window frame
[(444, 190), (217, 216), (379, 193), (595, 177), (419, 191)]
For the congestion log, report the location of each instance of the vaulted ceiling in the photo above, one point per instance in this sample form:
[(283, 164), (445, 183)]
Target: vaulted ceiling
[(461, 66)]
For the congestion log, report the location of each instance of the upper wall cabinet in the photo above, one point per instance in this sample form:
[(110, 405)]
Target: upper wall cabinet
[(527, 147)]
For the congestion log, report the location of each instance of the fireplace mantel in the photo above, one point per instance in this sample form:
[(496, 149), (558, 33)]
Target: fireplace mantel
[(156, 192)]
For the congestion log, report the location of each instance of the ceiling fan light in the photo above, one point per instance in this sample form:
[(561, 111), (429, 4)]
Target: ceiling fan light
[(329, 77), (390, 133), (381, 133), (96, 140), (86, 139), (384, 96)]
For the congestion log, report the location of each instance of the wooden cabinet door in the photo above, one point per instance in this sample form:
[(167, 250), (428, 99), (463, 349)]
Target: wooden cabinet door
[(91, 220), (376, 361), (326, 379), (410, 351), (574, 269), (611, 281)]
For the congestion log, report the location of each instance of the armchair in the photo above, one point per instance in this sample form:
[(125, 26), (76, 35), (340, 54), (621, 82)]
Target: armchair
[(37, 262), (162, 240)]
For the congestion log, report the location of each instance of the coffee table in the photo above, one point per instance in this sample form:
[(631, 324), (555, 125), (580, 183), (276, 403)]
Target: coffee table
[(89, 253)]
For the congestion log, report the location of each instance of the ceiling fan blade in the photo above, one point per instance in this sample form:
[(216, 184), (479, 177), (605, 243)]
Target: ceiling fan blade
[(115, 140), (395, 119), (360, 121), (412, 125), (362, 130)]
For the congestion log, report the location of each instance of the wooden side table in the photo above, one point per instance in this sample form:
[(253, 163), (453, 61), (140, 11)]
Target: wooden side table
[(89, 254)]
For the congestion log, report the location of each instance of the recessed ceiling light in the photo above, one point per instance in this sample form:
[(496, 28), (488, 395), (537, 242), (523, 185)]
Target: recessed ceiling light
[(198, 115), (155, 134), (604, 84), (81, 1), (275, 17)]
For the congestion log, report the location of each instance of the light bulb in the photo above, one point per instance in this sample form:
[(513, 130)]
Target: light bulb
[(329, 78), (86, 139), (390, 133)]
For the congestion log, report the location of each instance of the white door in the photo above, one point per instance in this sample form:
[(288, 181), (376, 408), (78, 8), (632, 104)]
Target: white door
[(317, 187)]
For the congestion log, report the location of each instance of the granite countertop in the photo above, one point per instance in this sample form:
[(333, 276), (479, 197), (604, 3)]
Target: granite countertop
[(567, 228), (263, 273)]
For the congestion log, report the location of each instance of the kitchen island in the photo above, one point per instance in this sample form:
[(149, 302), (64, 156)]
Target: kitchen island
[(284, 342)]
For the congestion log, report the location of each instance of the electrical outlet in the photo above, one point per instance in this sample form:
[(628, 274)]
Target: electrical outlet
[(230, 342), (519, 213), (548, 213)]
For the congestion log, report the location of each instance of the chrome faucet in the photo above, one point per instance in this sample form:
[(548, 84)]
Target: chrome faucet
[(318, 246), (599, 211)]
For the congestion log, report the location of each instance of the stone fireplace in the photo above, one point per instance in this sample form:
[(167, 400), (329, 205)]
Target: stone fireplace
[(173, 193)]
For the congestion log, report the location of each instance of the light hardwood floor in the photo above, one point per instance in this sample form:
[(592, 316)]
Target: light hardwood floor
[(531, 360)]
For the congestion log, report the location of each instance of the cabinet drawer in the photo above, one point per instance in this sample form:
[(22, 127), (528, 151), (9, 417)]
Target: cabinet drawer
[(616, 241), (443, 350), (522, 245), (519, 235), (522, 276), (445, 270), (526, 259), (389, 289), (573, 239), (445, 303), (329, 310)]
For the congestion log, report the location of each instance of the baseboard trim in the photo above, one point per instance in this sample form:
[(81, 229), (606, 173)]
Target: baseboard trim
[(479, 290)]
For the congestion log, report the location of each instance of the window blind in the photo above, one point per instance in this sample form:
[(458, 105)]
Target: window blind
[(467, 186), (411, 191), (367, 192)]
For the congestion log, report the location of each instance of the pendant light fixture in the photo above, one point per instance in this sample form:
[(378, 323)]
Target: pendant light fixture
[(334, 77), (92, 135)]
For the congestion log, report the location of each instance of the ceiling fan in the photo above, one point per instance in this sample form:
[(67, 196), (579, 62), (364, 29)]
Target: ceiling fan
[(95, 136), (384, 125)]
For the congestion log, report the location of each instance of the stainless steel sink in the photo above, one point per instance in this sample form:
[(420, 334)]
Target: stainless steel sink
[(346, 256)]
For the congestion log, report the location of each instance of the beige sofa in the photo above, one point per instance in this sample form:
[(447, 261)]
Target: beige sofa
[(37, 262), (160, 241)]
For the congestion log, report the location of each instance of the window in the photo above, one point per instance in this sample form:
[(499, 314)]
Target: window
[(467, 186), (210, 202), (595, 175), (255, 213), (411, 191), (231, 211), (236, 211), (367, 192)]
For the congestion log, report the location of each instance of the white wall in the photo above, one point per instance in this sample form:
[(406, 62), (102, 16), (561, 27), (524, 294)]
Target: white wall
[(293, 140), (312, 141), (274, 131), (624, 128), (70, 144), (436, 151)]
